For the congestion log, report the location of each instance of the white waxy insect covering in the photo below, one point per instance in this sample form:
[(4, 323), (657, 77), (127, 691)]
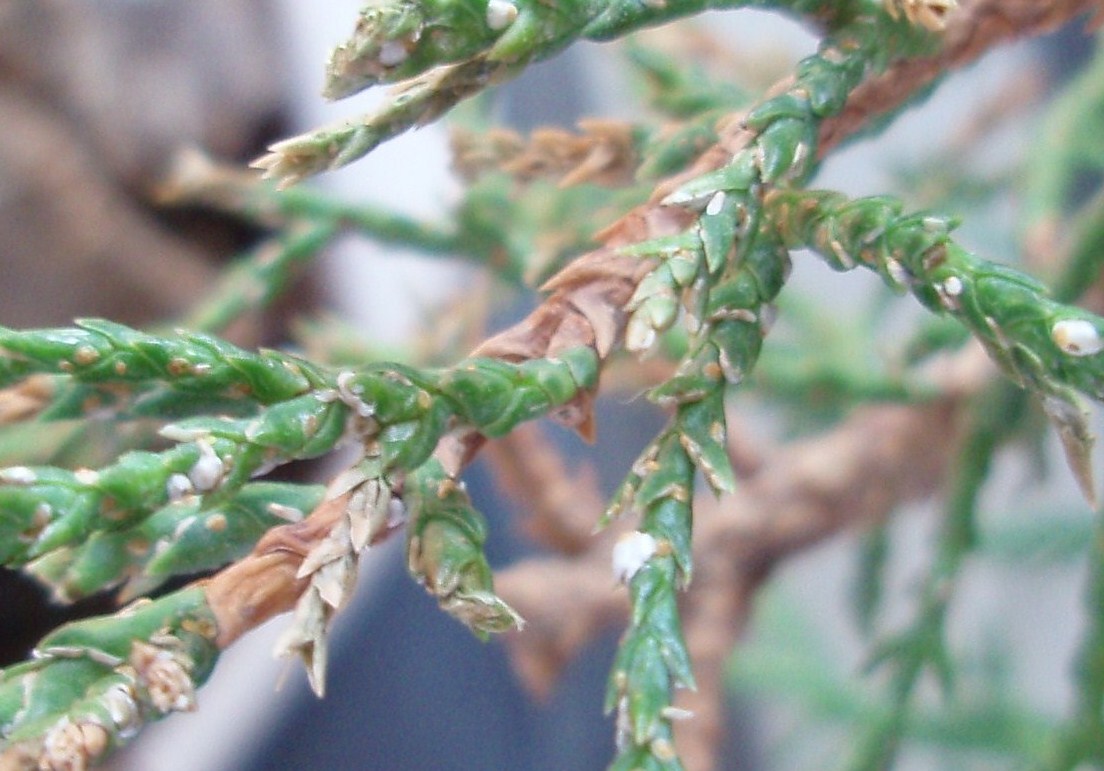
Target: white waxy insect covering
[(630, 553), (1077, 337), (500, 14)]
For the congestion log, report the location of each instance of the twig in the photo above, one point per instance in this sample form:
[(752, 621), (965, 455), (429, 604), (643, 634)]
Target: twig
[(977, 27), (559, 505), (791, 499)]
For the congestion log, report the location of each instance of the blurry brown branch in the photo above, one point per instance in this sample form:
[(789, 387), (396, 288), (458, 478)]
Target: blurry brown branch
[(602, 152), (557, 505), (977, 27)]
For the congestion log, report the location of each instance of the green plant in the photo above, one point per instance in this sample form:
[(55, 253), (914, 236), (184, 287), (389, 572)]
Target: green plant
[(708, 211)]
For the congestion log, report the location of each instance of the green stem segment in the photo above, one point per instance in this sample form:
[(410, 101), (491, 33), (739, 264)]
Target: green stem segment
[(655, 562), (102, 352), (1080, 742), (1048, 347), (923, 643), (726, 270), (94, 683), (401, 39), (253, 281), (444, 547)]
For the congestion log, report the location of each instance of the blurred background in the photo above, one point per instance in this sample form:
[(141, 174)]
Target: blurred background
[(97, 98)]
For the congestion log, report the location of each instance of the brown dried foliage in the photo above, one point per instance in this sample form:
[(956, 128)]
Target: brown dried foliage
[(602, 152)]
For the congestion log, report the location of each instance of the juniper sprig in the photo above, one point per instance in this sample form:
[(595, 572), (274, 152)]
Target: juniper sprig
[(442, 64), (709, 213)]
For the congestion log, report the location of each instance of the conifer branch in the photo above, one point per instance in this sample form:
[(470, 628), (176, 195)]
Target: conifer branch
[(695, 269)]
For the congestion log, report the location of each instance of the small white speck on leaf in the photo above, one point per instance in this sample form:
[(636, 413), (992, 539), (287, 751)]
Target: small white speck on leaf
[(18, 475), (1077, 337), (716, 203), (286, 513), (177, 486), (630, 553), (500, 14), (207, 471), (392, 53)]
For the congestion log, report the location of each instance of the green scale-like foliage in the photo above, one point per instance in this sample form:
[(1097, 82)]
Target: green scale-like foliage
[(444, 546), (152, 515), (1023, 330), (113, 672), (233, 415), (143, 517), (101, 352), (725, 271), (653, 657), (480, 44)]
